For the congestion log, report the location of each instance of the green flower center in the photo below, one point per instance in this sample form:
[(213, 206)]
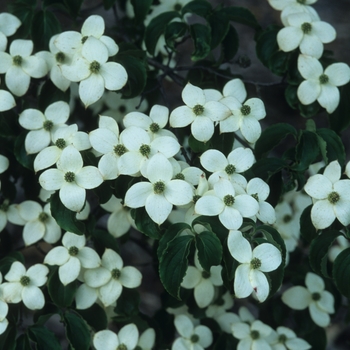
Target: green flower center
[(122, 347), (194, 338), (73, 251), (154, 127), (61, 143), (83, 39), (4, 207), (48, 125), (198, 110), (230, 169), (159, 187), (282, 338), (122, 109), (323, 79), (69, 176), (205, 274), (287, 218), (255, 334), (229, 200), (255, 263), (95, 67), (119, 150), (179, 176), (256, 197), (145, 150), (116, 274), (195, 198), (333, 197), (17, 60), (316, 296), (138, 347), (60, 57), (43, 217), (25, 280), (220, 302), (245, 110), (301, 2), (177, 7), (306, 27)]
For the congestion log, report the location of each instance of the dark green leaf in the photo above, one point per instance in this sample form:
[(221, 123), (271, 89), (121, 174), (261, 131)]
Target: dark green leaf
[(266, 44), (230, 44), (145, 224), (107, 4), (8, 124), (73, 7), (279, 62), (241, 15), (209, 249), (24, 10), (307, 229), (219, 26), (307, 150), (213, 224), (22, 342), (127, 305), (43, 338), (291, 96), (7, 261), (156, 28), (265, 168), (44, 26), (317, 338), (65, 218), (61, 295), (271, 137), (340, 119), (8, 338), (201, 35), (197, 7), (318, 255), (174, 31), (197, 146), (308, 111), (173, 264), (77, 331), (21, 155), (103, 239), (95, 316), (141, 9), (341, 272), (49, 94), (103, 192), (43, 315), (222, 142)]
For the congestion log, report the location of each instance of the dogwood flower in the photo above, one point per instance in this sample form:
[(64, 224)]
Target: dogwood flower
[(236, 89), (285, 339), (71, 257), (71, 179), (127, 338), (3, 310), (191, 338), (6, 101), (147, 340), (319, 301), (321, 85), (8, 26), (249, 276), (10, 212), (331, 197), (24, 285)]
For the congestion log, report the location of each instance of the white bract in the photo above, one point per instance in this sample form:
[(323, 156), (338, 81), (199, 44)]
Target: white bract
[(71, 257), (23, 285), (250, 274), (285, 339), (8, 26), (6, 101), (71, 179), (160, 194), (3, 310), (331, 197), (146, 340), (320, 84), (319, 301)]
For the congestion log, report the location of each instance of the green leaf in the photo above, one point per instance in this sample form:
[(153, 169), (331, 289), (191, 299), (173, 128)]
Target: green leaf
[(107, 4), (103, 239), (43, 338), (61, 295), (145, 224), (49, 94), (307, 229), (308, 111), (198, 7), (141, 9), (334, 146), (44, 26), (201, 35), (265, 168), (77, 331), (173, 264), (95, 316), (307, 150), (174, 31), (341, 272), (197, 146), (209, 249), (317, 338), (43, 315), (73, 7), (156, 28), (8, 338), (22, 342), (222, 142), (230, 44), (279, 62), (290, 93), (24, 10), (271, 137), (64, 217), (7, 261), (241, 15), (318, 255), (20, 152), (9, 124), (219, 26), (339, 120), (127, 305), (213, 224), (266, 44)]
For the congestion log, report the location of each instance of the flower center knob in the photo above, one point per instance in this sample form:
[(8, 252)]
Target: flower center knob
[(95, 67), (255, 263), (230, 169), (194, 338), (180, 176), (301, 2), (195, 198), (73, 251), (60, 57), (61, 143), (229, 200), (306, 27), (256, 197), (287, 218), (205, 274), (25, 280), (122, 347), (119, 150), (145, 150), (116, 274), (333, 197), (177, 7), (4, 206), (17, 60), (83, 39), (198, 109), (282, 338), (245, 110), (254, 334), (69, 176), (122, 109), (48, 125), (43, 217), (159, 187), (154, 127), (323, 79), (316, 296)]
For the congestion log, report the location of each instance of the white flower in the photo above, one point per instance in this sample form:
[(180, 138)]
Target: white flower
[(236, 89), (198, 112), (6, 101), (71, 257), (24, 285), (111, 277), (285, 339), (202, 281), (3, 310), (8, 26), (20, 66), (319, 301), (321, 85), (161, 193), (43, 125), (252, 336), (191, 338), (249, 275), (9, 212), (308, 34), (4, 163), (342, 244), (127, 338), (39, 223), (331, 195), (71, 178), (146, 340)]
